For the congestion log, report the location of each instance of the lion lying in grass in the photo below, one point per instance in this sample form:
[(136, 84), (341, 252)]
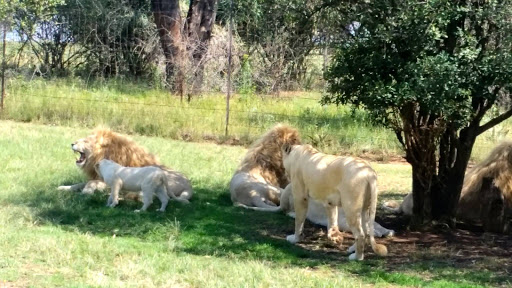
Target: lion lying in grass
[(334, 181), (106, 144), (497, 166), (259, 179), (151, 180), (317, 214)]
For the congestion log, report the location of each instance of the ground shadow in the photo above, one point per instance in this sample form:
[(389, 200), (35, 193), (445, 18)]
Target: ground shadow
[(211, 225)]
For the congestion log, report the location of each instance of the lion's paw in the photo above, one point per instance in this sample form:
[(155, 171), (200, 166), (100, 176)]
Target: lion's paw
[(88, 191), (184, 201), (391, 233), (352, 248), (64, 188), (292, 239), (353, 256), (137, 211), (335, 236)]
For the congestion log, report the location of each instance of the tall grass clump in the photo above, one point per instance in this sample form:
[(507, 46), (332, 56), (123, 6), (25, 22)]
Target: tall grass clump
[(136, 107)]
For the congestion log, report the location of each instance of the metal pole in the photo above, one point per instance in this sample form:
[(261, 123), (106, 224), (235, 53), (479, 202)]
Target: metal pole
[(3, 66), (228, 94)]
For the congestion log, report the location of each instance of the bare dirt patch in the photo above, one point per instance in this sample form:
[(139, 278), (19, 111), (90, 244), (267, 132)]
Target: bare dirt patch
[(466, 247)]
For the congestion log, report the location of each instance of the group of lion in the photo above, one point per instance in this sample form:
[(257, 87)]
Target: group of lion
[(276, 174)]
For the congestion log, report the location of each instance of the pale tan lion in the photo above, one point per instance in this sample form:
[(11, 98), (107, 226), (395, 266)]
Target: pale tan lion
[(106, 144), (259, 179), (151, 180), (334, 181)]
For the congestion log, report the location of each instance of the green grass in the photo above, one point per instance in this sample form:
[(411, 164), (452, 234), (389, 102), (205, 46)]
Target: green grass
[(51, 238), (135, 107)]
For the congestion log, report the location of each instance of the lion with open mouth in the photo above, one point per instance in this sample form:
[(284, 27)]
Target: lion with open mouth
[(106, 144)]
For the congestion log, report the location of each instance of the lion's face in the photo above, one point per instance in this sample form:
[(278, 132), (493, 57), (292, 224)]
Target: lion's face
[(84, 148)]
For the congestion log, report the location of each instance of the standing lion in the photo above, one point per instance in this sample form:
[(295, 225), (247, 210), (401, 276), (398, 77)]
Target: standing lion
[(260, 178), (106, 144), (259, 182)]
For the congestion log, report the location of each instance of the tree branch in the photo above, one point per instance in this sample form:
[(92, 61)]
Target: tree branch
[(495, 121), (400, 138)]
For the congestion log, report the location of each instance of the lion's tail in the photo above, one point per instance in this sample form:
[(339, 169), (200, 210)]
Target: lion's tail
[(170, 192), (267, 207), (185, 194), (370, 209)]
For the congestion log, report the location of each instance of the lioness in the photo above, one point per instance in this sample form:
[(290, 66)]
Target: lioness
[(150, 180), (334, 181)]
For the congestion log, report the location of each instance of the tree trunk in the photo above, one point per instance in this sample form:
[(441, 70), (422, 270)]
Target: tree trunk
[(454, 154), (199, 25), (420, 147), (423, 175), (168, 22)]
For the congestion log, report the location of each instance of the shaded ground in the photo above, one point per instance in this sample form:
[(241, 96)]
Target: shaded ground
[(466, 248)]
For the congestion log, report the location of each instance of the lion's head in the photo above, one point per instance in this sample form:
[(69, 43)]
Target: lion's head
[(264, 157), (497, 166), (106, 144)]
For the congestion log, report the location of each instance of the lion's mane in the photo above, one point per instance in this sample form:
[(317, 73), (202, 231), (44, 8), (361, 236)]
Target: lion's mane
[(265, 158), (106, 144), (497, 166)]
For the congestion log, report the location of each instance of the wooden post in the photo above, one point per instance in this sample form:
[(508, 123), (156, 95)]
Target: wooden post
[(228, 94), (3, 65)]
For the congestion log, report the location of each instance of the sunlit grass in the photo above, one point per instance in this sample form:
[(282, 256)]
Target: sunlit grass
[(138, 108), (51, 238)]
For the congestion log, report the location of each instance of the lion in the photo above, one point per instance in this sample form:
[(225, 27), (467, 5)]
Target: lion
[(334, 181), (316, 213), (260, 178), (106, 144), (151, 180), (497, 166)]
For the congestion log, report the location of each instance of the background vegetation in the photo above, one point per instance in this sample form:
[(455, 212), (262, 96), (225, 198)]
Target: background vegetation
[(73, 65)]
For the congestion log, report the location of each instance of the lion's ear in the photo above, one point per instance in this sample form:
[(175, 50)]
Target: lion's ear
[(287, 148)]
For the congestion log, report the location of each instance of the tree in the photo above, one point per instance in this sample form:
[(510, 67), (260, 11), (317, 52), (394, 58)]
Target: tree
[(44, 31), (116, 37), (281, 34), (180, 39), (200, 20), (430, 71)]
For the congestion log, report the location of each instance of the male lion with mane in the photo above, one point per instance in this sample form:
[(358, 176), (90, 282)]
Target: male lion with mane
[(496, 166), (259, 179), (334, 181), (106, 144)]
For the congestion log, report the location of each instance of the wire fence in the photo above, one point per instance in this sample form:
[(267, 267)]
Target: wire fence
[(99, 62)]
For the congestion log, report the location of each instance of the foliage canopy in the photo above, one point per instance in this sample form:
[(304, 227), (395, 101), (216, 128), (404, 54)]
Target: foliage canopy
[(430, 71)]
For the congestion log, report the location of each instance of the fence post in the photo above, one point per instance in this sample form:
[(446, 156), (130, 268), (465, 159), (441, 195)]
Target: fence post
[(3, 65), (228, 94)]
